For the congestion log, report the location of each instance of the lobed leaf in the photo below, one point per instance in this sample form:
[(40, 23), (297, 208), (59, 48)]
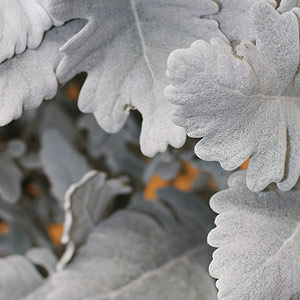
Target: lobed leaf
[(258, 238), (28, 78), (124, 49), (246, 103), (22, 25)]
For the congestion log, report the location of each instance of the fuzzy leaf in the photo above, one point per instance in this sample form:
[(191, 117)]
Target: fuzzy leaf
[(28, 78), (124, 49), (87, 202), (235, 20), (258, 239), (247, 105), (10, 174), (153, 250), (61, 162), (22, 25)]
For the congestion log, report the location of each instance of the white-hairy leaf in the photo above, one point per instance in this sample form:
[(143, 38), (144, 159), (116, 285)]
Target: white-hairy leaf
[(87, 202), (22, 25), (61, 162), (244, 104), (235, 20), (258, 240), (124, 49), (28, 78), (149, 251)]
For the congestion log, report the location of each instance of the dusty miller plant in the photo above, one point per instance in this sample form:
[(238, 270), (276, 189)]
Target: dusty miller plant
[(208, 82)]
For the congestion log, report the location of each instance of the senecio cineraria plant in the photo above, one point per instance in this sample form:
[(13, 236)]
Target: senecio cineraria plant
[(225, 73)]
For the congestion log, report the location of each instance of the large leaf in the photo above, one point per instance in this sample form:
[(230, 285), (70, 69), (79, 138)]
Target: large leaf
[(28, 78), (87, 202), (149, 251), (61, 162), (258, 239), (124, 49), (244, 104), (22, 25)]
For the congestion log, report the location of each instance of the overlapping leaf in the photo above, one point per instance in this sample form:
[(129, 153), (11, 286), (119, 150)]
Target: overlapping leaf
[(258, 239), (244, 104), (235, 20), (19, 275), (149, 251), (87, 202), (10, 174), (28, 78), (61, 162), (124, 49), (286, 5), (22, 25)]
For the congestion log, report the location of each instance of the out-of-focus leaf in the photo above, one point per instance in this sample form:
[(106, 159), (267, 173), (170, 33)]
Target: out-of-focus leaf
[(258, 240), (166, 165), (114, 147), (87, 202), (61, 162), (19, 276), (154, 250), (126, 61), (286, 5), (10, 174)]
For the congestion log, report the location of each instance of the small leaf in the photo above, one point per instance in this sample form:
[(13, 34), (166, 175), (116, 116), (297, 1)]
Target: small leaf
[(258, 239), (88, 202), (286, 5), (61, 162), (10, 174), (124, 49), (245, 104)]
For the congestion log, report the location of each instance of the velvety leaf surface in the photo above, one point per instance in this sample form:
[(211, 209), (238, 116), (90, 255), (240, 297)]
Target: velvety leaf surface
[(124, 49), (61, 162), (10, 174), (28, 78), (22, 25), (258, 238), (235, 20), (154, 250), (88, 202), (244, 104)]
